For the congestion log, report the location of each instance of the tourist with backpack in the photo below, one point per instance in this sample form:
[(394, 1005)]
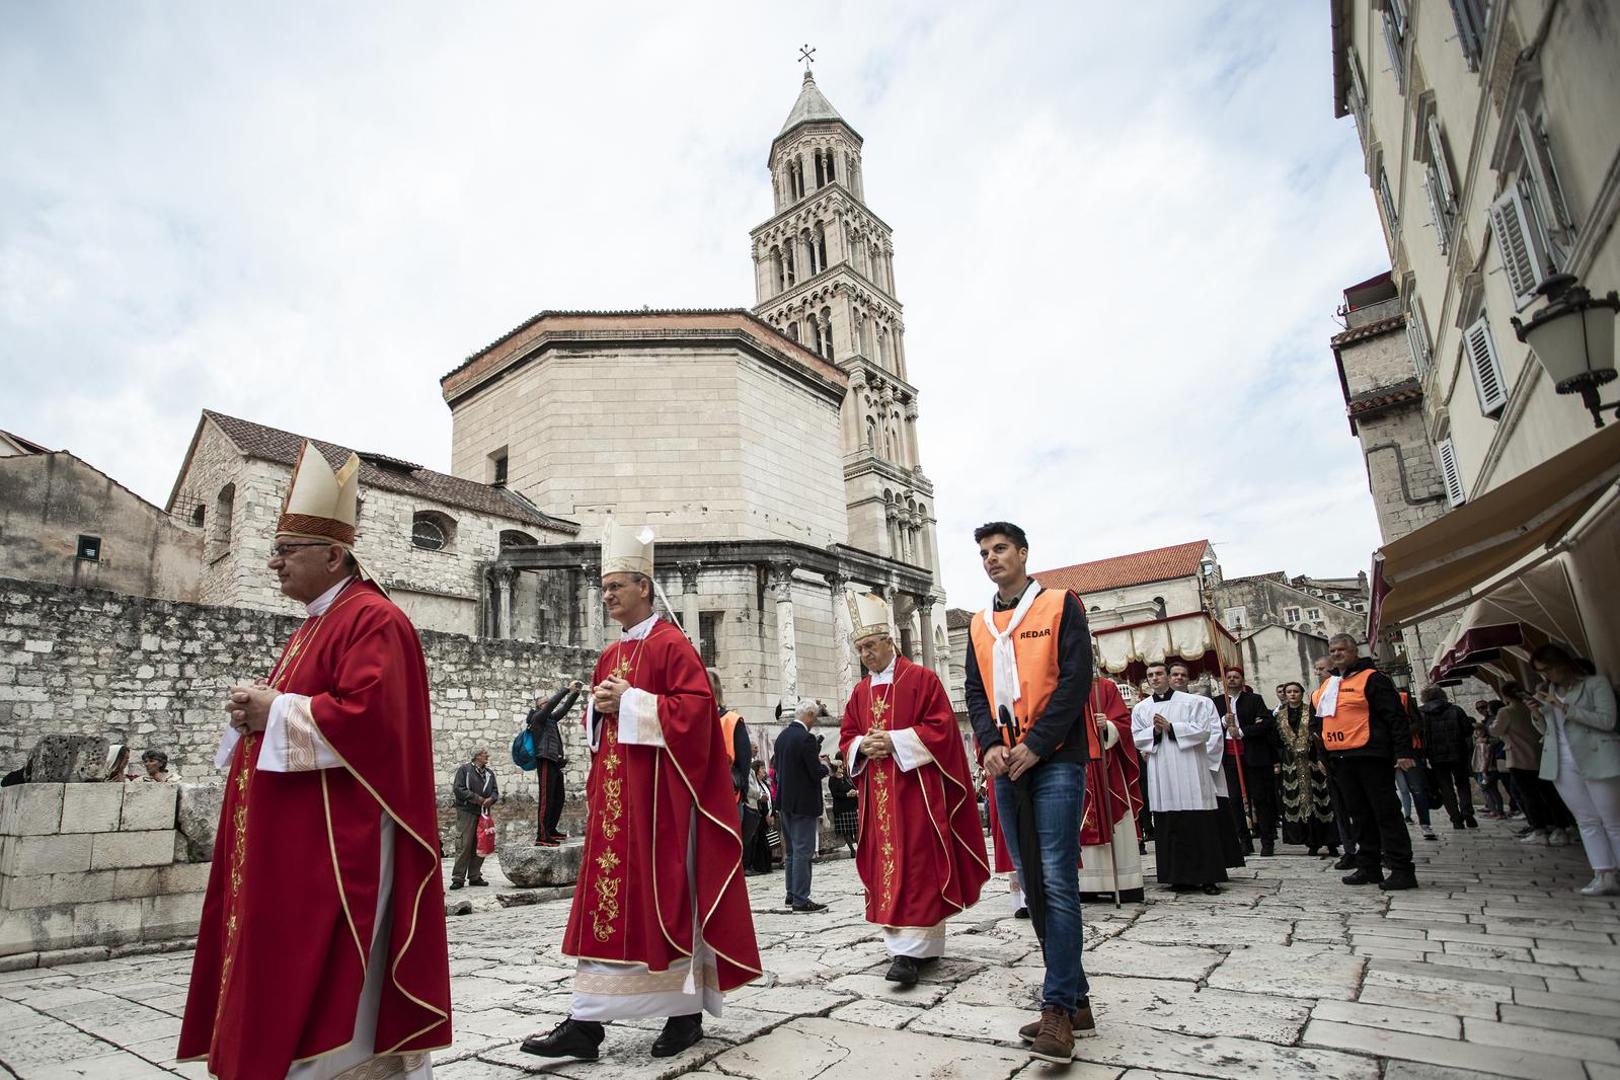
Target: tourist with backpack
[(541, 742)]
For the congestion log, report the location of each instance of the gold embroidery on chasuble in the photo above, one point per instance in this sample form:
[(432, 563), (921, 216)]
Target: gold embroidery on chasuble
[(882, 773), (610, 821)]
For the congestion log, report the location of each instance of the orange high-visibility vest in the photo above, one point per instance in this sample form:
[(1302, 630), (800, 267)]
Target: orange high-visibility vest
[(1351, 723), (728, 728), (1035, 643), (1406, 707)]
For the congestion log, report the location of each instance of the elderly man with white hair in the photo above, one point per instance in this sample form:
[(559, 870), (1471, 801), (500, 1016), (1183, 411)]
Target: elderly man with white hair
[(799, 803)]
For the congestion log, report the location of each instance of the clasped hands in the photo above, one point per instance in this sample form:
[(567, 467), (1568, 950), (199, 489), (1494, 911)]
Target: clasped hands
[(605, 695), (1013, 763), (248, 705), (877, 745)]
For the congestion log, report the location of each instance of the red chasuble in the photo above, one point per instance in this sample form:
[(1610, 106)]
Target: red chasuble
[(633, 903), (920, 850), (1120, 775), (292, 897)]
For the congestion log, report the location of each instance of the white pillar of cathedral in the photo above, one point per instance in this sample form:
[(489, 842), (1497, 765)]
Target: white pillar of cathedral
[(925, 617), (502, 577), (843, 631), (787, 654), (689, 603), (593, 604)]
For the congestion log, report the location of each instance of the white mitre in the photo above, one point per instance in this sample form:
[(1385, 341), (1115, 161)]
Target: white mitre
[(626, 552), (869, 614), (322, 504)]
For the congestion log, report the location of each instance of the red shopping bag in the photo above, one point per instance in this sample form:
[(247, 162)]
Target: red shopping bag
[(486, 834)]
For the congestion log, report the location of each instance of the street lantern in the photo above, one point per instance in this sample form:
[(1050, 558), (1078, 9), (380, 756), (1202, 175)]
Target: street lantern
[(1573, 338)]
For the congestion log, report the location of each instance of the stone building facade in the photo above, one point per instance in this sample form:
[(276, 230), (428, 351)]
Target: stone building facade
[(1492, 156), (428, 536), (66, 522)]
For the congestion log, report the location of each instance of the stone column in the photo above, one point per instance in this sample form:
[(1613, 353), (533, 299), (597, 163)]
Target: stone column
[(689, 603), (914, 453), (925, 616), (781, 585), (503, 577), (843, 630), (593, 604)]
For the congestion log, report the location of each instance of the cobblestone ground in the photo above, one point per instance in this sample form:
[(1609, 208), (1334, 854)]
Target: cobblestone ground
[(1494, 967)]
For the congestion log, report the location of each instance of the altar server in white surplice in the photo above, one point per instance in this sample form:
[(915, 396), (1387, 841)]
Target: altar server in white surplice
[(1179, 737)]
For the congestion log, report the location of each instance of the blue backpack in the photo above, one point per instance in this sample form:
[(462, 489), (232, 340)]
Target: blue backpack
[(523, 752)]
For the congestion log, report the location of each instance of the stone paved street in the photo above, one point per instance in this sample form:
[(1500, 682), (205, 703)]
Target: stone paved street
[(1495, 967)]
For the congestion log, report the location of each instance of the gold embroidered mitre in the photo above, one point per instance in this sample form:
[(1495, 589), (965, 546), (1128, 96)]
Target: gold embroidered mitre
[(869, 615), (625, 552), (321, 504)]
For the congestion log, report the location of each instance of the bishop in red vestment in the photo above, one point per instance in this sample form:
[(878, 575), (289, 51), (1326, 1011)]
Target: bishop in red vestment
[(920, 851), (322, 945), (660, 922)]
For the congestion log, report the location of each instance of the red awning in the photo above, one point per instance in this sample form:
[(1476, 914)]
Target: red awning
[(1478, 645)]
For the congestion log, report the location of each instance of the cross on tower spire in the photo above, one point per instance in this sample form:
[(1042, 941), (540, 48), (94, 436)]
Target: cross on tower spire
[(808, 55)]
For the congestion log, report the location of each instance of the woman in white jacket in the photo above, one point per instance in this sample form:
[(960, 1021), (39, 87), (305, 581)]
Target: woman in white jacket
[(1580, 753)]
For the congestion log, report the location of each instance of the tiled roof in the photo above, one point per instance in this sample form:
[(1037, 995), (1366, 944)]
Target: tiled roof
[(1372, 401), (957, 618), (1371, 330), (1160, 564), (27, 446), (811, 105), (388, 473)]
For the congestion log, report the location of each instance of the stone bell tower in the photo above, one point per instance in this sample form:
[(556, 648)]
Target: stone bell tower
[(824, 276)]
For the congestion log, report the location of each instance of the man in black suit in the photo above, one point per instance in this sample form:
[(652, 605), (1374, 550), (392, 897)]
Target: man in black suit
[(799, 773), (1261, 754)]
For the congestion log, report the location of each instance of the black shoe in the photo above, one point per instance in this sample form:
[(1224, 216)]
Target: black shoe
[(1211, 889), (809, 907), (454, 885), (679, 1033), (1362, 877), (1348, 862), (1267, 849), (559, 836), (1400, 879), (903, 971), (478, 881), (1471, 822), (1021, 913), (571, 1038), (1458, 825)]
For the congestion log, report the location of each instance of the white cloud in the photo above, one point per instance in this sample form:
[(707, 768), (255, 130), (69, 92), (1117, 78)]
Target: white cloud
[(1120, 234)]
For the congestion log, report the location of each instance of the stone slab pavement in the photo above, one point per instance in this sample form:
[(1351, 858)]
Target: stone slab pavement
[(1494, 968)]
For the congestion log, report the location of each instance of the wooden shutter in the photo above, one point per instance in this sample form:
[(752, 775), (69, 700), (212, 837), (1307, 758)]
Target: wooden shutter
[(1523, 253), (1386, 195), (1358, 85), (1480, 350), (1394, 39), (1437, 210), (1470, 30), (1450, 475), (1442, 164), (1538, 167), (1417, 335)]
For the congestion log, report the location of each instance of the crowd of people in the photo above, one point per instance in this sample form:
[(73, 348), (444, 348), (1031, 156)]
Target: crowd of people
[(340, 965)]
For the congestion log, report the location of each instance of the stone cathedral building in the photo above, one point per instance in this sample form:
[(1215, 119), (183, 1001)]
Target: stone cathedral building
[(774, 451)]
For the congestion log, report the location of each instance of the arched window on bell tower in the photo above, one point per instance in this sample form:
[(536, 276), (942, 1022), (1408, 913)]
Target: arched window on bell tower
[(832, 172), (821, 175), (827, 335), (815, 335), (821, 247), (778, 274)]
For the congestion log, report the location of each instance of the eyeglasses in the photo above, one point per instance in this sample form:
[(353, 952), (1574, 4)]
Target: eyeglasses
[(280, 550), (617, 586)]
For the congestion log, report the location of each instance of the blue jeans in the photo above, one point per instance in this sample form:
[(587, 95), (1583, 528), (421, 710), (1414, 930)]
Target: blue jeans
[(798, 843), (1059, 789)]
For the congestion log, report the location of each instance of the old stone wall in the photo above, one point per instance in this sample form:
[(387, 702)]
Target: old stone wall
[(152, 674)]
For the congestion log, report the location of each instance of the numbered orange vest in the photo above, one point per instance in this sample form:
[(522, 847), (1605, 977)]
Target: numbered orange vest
[(1350, 725)]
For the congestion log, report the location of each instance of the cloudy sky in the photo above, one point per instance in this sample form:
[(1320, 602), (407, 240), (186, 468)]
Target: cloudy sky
[(1121, 233)]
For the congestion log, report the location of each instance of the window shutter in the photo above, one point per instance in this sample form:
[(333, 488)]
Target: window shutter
[(1523, 254), (1538, 166), (1417, 335), (1387, 196), (1358, 85), (1487, 369), (1437, 211), (1456, 495), (1393, 39), (1442, 164), (1470, 30)]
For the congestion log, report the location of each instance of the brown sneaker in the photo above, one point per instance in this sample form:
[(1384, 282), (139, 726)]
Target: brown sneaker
[(1055, 1041), (1080, 1022)]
